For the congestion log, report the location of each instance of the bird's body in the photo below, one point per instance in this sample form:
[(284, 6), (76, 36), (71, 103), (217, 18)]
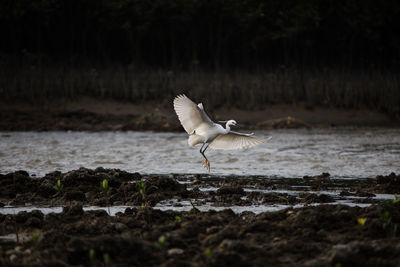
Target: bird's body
[(202, 130), (206, 135)]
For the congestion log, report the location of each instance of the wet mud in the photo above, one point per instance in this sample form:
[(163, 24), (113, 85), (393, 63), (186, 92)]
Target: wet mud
[(320, 232)]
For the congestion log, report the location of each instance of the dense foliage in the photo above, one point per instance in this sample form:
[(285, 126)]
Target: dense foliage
[(217, 34)]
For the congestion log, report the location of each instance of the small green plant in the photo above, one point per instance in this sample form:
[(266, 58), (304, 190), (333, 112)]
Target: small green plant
[(361, 221), (141, 186), (92, 254), (35, 237), (386, 216), (208, 252), (162, 241), (104, 187), (106, 258), (387, 223), (58, 186), (178, 218)]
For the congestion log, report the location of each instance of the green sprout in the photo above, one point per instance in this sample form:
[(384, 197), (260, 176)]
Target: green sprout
[(104, 185), (178, 218), (58, 186), (386, 219), (92, 254), (208, 252), (162, 241), (142, 190), (361, 221), (104, 188), (35, 237), (106, 258), (386, 216)]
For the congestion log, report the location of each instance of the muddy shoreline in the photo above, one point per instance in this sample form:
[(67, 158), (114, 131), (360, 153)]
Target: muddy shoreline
[(88, 114), (320, 232)]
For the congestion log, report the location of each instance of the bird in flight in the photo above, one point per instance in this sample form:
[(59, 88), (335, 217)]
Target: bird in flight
[(202, 130)]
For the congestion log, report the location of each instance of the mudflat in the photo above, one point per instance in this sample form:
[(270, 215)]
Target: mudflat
[(88, 114), (313, 230)]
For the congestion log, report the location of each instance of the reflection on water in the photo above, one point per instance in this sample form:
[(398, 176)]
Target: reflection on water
[(343, 152)]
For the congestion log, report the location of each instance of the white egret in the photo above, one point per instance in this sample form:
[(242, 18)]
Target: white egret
[(202, 130)]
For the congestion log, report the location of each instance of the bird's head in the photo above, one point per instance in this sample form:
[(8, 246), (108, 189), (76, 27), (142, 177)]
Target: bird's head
[(231, 122)]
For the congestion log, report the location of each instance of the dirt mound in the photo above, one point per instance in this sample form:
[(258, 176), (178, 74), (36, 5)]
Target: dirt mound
[(84, 185)]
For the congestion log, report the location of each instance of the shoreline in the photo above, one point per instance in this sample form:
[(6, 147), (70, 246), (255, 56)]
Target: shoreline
[(88, 114)]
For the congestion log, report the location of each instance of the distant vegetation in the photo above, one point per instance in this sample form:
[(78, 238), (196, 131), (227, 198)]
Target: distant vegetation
[(250, 53)]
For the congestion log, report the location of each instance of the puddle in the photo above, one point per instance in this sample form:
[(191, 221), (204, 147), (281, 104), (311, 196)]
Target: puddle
[(47, 210), (257, 209)]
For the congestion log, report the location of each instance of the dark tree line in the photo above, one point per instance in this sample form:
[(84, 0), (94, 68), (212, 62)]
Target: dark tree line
[(213, 34)]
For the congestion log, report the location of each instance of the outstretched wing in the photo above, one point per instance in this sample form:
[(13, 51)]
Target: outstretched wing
[(234, 140), (190, 115)]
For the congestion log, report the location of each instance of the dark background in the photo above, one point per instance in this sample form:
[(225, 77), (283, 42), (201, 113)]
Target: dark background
[(334, 52)]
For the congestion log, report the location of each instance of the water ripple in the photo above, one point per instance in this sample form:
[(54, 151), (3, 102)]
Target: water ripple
[(343, 152)]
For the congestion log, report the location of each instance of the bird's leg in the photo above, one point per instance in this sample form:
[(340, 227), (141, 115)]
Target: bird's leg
[(206, 162)]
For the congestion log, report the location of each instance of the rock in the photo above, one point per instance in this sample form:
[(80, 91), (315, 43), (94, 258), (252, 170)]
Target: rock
[(324, 177), (13, 257), (175, 251), (389, 179), (314, 198), (230, 190)]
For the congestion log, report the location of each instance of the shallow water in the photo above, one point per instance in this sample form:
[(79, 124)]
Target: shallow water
[(112, 210), (343, 152)]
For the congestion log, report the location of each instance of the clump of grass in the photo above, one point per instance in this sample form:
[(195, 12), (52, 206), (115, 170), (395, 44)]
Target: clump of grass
[(178, 218), (331, 87)]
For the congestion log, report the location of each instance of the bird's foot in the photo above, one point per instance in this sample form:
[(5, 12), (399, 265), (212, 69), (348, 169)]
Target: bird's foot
[(207, 165)]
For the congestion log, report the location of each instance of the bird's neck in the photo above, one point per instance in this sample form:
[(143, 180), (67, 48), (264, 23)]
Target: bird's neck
[(227, 128)]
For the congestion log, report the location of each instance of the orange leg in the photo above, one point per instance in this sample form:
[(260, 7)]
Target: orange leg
[(206, 162)]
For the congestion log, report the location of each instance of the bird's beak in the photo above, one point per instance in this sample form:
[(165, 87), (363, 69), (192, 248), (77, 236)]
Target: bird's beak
[(239, 125)]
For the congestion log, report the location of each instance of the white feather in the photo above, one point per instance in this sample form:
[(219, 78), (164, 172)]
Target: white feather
[(234, 140), (192, 117)]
